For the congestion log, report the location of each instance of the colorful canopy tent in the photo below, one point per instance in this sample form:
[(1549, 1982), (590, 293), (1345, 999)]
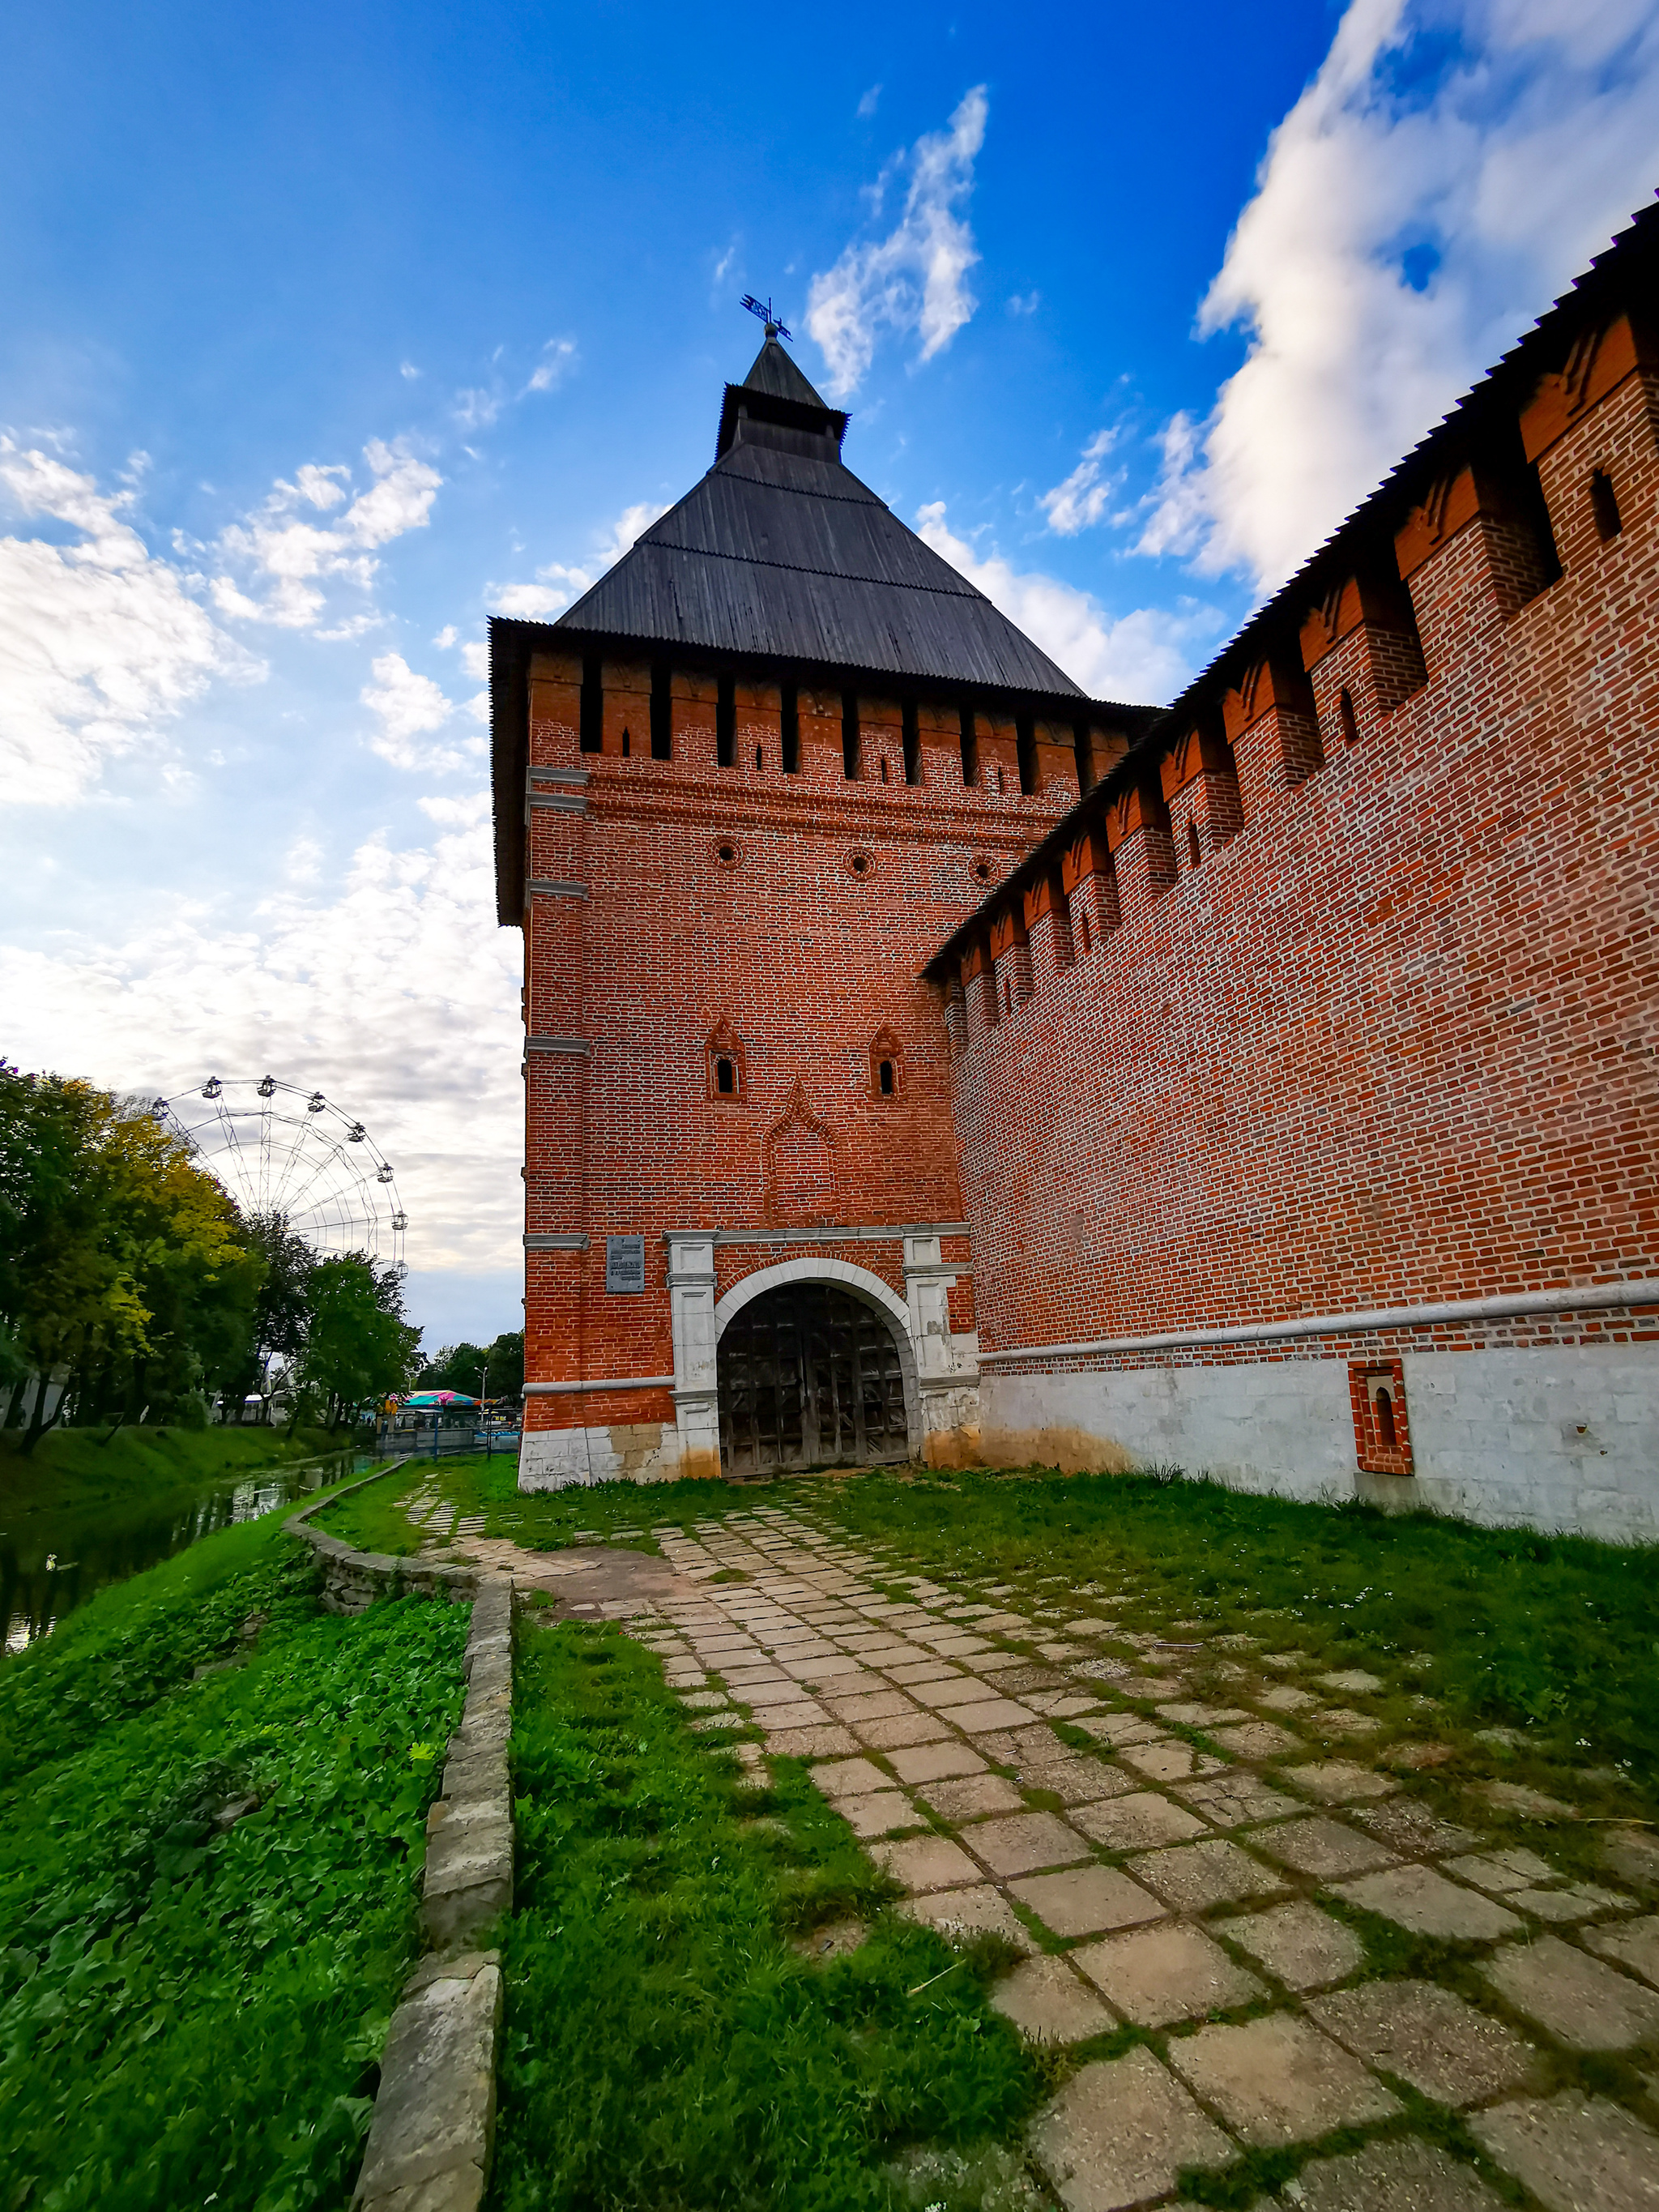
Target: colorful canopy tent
[(420, 1399)]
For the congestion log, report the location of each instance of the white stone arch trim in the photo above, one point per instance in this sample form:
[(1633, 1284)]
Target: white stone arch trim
[(860, 1280), (862, 1285)]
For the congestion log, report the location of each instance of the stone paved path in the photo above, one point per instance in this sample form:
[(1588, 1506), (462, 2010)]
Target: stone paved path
[(1177, 1875)]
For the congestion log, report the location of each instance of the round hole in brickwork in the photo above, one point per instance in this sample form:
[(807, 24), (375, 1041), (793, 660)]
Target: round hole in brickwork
[(726, 852), (980, 870), (861, 864)]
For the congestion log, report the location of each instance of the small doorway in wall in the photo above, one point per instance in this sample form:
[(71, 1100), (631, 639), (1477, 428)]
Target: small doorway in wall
[(809, 1375)]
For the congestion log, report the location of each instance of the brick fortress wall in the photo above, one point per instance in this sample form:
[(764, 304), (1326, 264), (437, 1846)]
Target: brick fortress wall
[(690, 924), (1350, 1003)]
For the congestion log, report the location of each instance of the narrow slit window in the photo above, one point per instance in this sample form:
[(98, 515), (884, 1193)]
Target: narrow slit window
[(791, 730), (627, 745), (1000, 785), (969, 749), (884, 1074), (725, 1077), (1604, 505), (1025, 751), (662, 713), (759, 756), (1193, 852), (849, 737), (1344, 715), (1083, 929), (884, 768), (725, 722), (592, 705), (912, 744)]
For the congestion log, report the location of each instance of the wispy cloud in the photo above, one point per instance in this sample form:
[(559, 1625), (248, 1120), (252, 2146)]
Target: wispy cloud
[(1144, 657), (1451, 166), (558, 584), (916, 279), (1085, 497), (296, 563), (869, 101), (1025, 303), (103, 643), (559, 358), (409, 709)]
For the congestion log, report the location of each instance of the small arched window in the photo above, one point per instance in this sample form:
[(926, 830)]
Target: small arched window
[(886, 1065), (628, 743), (1604, 505), (1387, 1435), (727, 1074), (884, 768), (1083, 929), (759, 756), (1344, 714), (1192, 852)]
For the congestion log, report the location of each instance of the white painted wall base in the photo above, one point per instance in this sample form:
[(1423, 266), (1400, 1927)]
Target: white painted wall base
[(569, 1459), (1562, 1437)]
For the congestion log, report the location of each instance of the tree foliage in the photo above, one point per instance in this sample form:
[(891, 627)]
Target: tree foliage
[(357, 1345), (496, 1369)]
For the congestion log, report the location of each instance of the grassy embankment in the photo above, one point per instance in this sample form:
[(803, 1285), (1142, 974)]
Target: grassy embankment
[(192, 2002), (88, 1467), (672, 2038)]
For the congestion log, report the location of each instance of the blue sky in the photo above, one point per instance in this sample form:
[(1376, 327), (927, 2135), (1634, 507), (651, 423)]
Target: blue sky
[(330, 330)]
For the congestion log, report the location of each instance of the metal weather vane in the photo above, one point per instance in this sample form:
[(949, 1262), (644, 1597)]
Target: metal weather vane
[(769, 315)]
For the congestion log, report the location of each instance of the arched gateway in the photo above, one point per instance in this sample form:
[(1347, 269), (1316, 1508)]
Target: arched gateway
[(810, 1375)]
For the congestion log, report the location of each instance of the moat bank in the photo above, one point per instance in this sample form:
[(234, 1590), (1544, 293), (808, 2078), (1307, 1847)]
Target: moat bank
[(81, 1513)]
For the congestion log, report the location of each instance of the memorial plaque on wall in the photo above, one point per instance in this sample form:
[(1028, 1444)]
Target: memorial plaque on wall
[(625, 1263)]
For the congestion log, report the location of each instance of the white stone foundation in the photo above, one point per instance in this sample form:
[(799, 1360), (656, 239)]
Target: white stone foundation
[(1560, 1437), (570, 1459)]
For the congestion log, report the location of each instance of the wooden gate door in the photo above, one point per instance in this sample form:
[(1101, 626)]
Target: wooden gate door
[(810, 1377)]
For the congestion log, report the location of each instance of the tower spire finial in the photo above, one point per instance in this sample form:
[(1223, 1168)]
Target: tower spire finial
[(768, 313)]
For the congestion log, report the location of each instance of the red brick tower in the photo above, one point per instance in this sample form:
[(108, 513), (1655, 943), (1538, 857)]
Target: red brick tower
[(742, 789)]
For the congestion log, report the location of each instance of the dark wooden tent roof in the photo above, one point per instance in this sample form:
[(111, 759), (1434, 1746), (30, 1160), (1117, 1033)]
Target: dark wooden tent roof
[(781, 552)]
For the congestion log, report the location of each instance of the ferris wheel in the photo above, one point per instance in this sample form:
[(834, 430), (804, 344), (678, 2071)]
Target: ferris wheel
[(280, 1149)]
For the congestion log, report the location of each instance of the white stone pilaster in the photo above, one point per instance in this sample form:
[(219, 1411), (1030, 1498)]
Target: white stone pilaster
[(691, 1287)]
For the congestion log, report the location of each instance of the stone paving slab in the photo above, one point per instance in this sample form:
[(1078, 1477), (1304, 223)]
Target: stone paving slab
[(1430, 2038), (1635, 1946), (1419, 1899), (819, 1742), (1391, 2177), (1322, 1847), (973, 1797), (1581, 2001), (849, 1778), (1279, 2080), (1137, 1821), (1084, 1900), (1120, 2132), (894, 1733), (1026, 1843), (991, 1713), (1170, 1972), (977, 1909), (1194, 1877), (881, 1813), (934, 1762), (1048, 2004), (1409, 1828), (1074, 1779), (1256, 1740), (1169, 1761), (1339, 1781), (1305, 1948), (924, 1862), (1232, 1799), (1575, 2154)]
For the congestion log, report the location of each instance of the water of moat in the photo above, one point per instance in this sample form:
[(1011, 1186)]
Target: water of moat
[(53, 1559)]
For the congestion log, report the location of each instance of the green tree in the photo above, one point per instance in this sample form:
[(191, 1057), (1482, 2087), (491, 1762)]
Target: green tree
[(494, 1369), (358, 1347), (281, 1312)]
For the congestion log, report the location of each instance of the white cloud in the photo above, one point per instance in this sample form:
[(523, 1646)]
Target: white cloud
[(1081, 501), (101, 642), (1451, 166), (410, 708), (1142, 657), (446, 637), (1025, 303), (294, 562), (557, 585), (915, 278), (558, 357), (399, 998), (475, 658), (868, 101), (408, 368)]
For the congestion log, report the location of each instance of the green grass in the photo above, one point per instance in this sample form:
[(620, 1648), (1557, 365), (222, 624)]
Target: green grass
[(1556, 1638), (373, 1519), (190, 2014), (666, 2046)]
